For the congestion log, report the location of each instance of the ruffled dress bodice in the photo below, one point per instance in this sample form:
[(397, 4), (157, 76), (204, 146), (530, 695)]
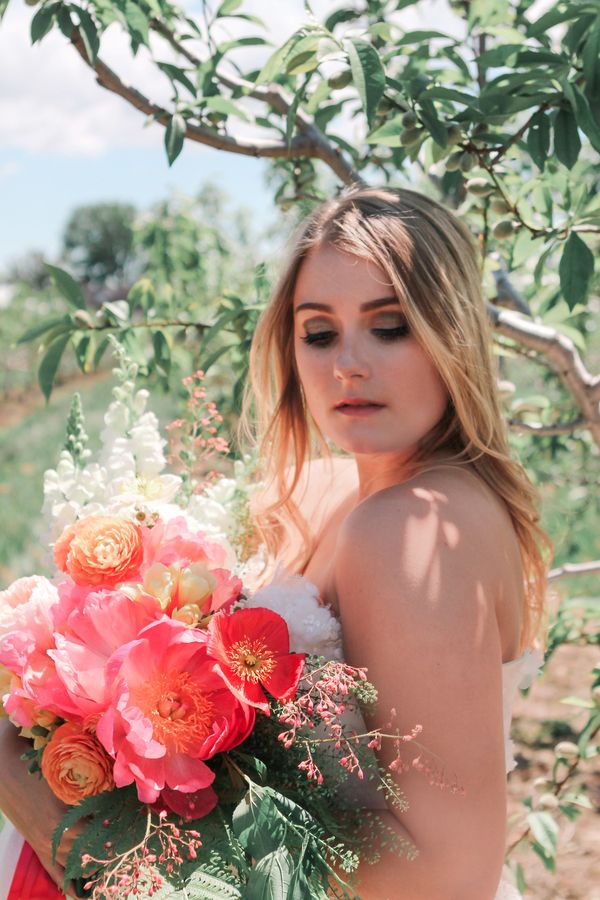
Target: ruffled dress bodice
[(315, 629)]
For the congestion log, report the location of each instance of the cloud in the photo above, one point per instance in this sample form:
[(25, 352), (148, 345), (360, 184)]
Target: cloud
[(10, 168), (51, 103)]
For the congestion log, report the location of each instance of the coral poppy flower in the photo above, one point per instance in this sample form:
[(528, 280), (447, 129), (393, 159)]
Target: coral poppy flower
[(252, 647)]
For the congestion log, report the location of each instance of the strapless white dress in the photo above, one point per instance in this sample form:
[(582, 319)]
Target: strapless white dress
[(314, 629)]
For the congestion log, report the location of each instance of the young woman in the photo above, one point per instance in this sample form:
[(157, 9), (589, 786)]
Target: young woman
[(424, 540)]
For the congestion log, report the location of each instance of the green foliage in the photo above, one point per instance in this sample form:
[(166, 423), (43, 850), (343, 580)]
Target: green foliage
[(98, 242)]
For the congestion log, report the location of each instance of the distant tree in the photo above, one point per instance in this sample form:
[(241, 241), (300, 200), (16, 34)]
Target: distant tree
[(98, 241)]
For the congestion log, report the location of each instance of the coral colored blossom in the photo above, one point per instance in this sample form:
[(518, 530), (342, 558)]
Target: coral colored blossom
[(100, 550), (76, 765), (94, 631), (170, 710), (252, 647)]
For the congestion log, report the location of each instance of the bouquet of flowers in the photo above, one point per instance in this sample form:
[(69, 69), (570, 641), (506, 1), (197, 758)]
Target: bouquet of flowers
[(164, 703)]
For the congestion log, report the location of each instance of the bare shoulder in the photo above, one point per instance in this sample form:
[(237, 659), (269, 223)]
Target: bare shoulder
[(451, 506), (441, 542)]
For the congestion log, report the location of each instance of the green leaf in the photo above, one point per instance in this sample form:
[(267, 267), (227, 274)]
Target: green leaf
[(388, 135), (65, 22), (174, 137), (545, 831), (89, 34), (368, 75), (43, 21), (420, 37), (429, 117), (567, 143), (227, 107), (257, 823), (227, 7), (137, 22), (162, 353), (575, 269), (276, 62), (272, 878), (67, 286), (443, 93), (50, 362), (3, 5), (44, 326), (591, 60), (142, 295), (578, 701), (538, 139), (177, 74), (583, 114)]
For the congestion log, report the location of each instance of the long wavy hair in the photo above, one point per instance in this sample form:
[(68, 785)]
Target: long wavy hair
[(430, 258)]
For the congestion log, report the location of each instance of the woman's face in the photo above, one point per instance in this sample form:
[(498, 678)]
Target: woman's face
[(369, 385)]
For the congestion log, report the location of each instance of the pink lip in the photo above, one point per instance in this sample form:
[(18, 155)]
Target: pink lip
[(357, 406)]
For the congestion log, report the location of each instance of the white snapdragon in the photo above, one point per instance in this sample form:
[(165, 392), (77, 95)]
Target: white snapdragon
[(214, 507)]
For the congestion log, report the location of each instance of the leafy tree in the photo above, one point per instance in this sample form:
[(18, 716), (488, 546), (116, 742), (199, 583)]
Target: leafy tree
[(498, 118), (98, 242)]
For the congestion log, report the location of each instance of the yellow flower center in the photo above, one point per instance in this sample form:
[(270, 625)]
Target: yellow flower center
[(251, 660), (180, 712)]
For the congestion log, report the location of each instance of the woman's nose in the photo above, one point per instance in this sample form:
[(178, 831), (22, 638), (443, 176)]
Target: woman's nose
[(350, 363)]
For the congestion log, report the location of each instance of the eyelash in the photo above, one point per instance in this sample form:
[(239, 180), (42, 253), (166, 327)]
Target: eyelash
[(324, 338)]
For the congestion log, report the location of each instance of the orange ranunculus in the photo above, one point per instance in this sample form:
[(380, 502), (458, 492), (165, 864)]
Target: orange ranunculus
[(76, 765), (100, 550)]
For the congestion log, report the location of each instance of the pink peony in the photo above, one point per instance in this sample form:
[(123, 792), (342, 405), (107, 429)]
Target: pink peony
[(169, 712), (96, 629), (173, 542), (26, 635)]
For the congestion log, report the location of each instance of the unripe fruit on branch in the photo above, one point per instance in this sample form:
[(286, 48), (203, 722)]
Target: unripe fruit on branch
[(454, 133), (453, 162), (341, 80), (410, 136), (480, 187), (467, 161), (409, 120), (82, 317), (503, 229), (542, 785), (567, 750), (547, 801), (499, 205)]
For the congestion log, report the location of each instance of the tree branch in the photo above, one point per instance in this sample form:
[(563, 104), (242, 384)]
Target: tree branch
[(574, 569), (301, 146), (561, 352), (277, 98), (539, 429)]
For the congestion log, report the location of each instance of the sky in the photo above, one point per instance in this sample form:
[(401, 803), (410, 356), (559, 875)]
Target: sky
[(66, 142)]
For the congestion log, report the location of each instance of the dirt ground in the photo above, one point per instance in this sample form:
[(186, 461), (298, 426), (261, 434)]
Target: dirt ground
[(535, 732)]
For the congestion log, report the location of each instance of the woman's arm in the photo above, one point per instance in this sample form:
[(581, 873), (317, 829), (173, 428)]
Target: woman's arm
[(29, 803), (416, 575)]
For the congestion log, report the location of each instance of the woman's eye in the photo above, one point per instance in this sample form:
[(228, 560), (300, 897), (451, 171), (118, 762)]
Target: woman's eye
[(391, 334), (321, 338)]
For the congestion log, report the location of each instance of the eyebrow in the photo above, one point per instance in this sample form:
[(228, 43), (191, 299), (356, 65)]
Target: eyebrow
[(364, 307)]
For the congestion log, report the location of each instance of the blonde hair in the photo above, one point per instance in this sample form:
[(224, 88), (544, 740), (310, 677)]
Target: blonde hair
[(430, 258)]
